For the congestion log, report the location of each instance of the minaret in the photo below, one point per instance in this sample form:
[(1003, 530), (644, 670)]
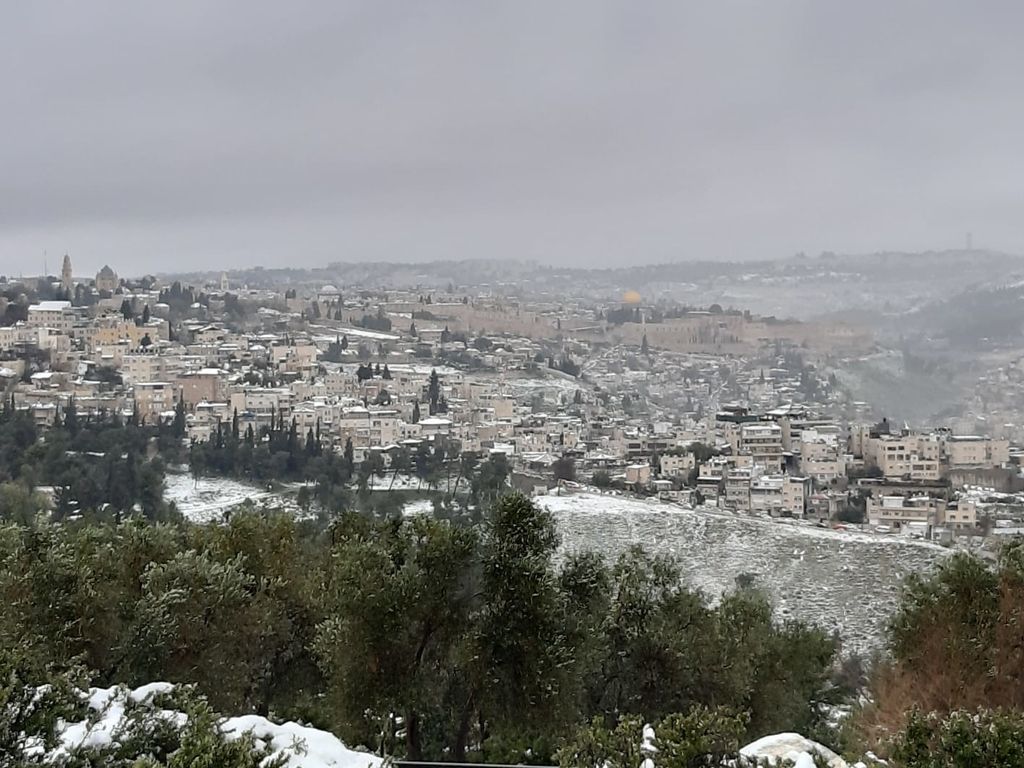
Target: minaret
[(65, 273), (224, 282)]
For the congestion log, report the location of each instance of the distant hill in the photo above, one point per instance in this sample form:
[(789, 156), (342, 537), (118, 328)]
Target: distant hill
[(979, 315), (889, 283)]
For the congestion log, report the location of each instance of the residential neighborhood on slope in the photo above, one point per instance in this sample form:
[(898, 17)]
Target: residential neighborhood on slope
[(693, 406)]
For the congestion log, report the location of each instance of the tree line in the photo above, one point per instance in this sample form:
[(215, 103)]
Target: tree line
[(444, 639), (281, 453), (98, 464), (414, 636)]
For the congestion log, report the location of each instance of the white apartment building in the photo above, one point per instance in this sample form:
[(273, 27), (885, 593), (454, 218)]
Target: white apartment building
[(961, 514), (59, 315), (763, 442), (737, 487), (765, 493), (925, 456), (504, 408), (638, 474), (779, 494), (154, 398), (435, 425), (203, 424), (913, 457), (964, 451), (368, 427), (143, 367), (262, 402), (711, 475), (310, 414), (796, 492), (820, 457), (297, 357), (23, 335), (677, 465), (898, 511)]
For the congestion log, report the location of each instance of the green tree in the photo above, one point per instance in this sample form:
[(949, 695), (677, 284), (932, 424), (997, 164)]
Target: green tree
[(523, 657), (564, 468), (178, 423), (20, 505), (71, 416), (349, 458), (961, 739), (203, 621), (433, 391), (700, 738), (702, 453), (400, 601), (955, 642), (34, 699)]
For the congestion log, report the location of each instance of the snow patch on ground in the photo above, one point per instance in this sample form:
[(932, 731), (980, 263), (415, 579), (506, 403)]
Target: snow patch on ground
[(525, 386), (405, 482), (208, 500), (299, 745), (210, 497), (843, 580), (303, 747), (330, 334), (418, 507), (424, 370)]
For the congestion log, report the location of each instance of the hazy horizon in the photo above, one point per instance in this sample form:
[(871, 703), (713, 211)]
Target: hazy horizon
[(192, 136)]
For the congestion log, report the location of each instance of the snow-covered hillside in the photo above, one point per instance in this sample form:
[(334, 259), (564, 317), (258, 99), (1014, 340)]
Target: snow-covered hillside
[(846, 581), (849, 581)]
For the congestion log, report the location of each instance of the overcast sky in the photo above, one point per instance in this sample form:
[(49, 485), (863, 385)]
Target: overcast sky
[(177, 135)]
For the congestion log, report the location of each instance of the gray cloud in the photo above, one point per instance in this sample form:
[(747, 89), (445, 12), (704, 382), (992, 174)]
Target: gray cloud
[(179, 135)]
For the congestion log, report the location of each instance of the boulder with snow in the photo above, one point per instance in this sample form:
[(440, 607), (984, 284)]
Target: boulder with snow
[(793, 747)]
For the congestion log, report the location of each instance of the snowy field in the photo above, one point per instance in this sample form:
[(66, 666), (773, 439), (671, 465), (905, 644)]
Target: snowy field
[(331, 333), (424, 370), (405, 482), (211, 496), (418, 507), (841, 580), (525, 386)]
